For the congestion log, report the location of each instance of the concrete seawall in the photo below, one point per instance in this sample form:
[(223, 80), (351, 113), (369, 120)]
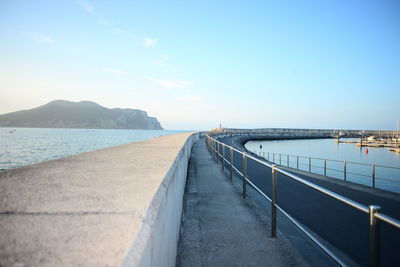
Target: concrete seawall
[(291, 132), (116, 206)]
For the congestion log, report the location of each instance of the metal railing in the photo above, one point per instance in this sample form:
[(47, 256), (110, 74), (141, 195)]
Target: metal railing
[(326, 167), (218, 148)]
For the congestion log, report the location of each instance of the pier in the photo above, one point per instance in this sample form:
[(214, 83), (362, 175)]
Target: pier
[(169, 201)]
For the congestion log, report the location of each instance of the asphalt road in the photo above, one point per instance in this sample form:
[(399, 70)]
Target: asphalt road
[(342, 226)]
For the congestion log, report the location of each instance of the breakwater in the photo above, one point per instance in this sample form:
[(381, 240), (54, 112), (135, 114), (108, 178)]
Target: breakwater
[(292, 132), (115, 206), (110, 207)]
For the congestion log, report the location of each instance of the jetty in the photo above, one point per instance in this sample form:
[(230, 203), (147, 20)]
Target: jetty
[(184, 200)]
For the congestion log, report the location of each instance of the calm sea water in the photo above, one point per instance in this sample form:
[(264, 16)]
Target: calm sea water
[(386, 178), (26, 146)]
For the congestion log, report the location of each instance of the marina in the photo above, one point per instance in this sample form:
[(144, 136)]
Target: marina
[(373, 166), (372, 142)]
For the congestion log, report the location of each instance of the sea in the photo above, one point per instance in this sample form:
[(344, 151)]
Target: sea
[(25, 146), (359, 161)]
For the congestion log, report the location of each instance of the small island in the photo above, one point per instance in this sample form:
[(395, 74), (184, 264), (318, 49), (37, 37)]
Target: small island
[(83, 114)]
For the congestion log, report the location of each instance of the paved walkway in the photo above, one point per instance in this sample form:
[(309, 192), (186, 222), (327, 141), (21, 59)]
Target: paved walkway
[(344, 228), (219, 228)]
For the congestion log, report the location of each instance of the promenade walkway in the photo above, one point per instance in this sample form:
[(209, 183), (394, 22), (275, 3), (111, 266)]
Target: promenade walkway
[(344, 228), (219, 228)]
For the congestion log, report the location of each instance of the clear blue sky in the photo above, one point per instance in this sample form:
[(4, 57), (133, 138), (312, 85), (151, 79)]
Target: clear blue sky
[(195, 64)]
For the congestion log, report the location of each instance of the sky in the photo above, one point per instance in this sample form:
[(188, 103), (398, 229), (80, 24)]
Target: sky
[(197, 64)]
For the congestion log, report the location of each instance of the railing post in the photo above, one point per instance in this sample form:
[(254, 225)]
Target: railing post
[(273, 157), (231, 158), (213, 148), (309, 164), (244, 193), (223, 158), (344, 170), (280, 159), (373, 175), (297, 162), (374, 237), (324, 167), (268, 156), (273, 202), (288, 160), (217, 151)]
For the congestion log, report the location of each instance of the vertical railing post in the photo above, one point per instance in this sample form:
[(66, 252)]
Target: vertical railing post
[(280, 159), (324, 167), (273, 157), (373, 175), (309, 164), (374, 237), (223, 158), (213, 146), (268, 156), (217, 151), (297, 162), (345, 171), (231, 158), (288, 160), (244, 193), (273, 202)]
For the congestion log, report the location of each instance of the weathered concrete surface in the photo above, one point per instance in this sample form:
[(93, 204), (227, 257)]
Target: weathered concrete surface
[(114, 206), (219, 228)]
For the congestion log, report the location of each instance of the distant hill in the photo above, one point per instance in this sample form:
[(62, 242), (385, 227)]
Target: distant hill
[(84, 114)]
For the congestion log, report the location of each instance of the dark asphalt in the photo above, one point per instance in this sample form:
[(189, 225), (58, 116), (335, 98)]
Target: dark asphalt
[(339, 224)]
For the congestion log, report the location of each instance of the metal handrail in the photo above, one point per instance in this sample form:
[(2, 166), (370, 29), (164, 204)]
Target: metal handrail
[(278, 159), (373, 210), (334, 160)]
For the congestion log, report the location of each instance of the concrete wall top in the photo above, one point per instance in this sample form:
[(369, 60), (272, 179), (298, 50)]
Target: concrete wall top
[(85, 209), (305, 132)]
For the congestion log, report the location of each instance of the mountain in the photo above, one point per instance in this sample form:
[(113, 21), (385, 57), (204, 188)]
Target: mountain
[(84, 114)]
